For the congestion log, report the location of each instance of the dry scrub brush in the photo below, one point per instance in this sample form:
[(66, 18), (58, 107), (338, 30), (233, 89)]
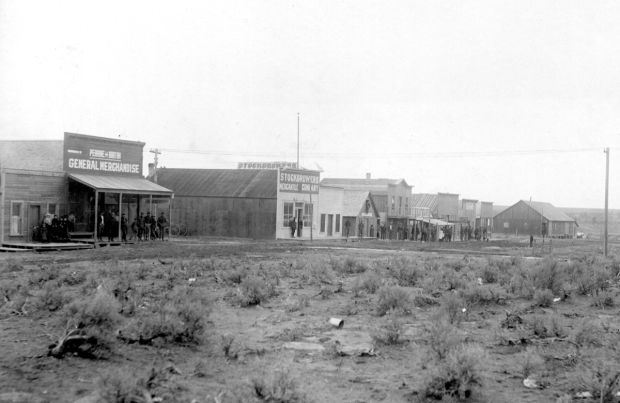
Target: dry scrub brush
[(442, 337), (544, 326), (123, 385), (11, 265), (179, 316), (91, 323), (597, 374), (458, 375), (255, 290), (393, 299), (277, 387), (452, 308), (543, 298), (530, 361), (485, 294), (348, 265), (368, 283), (390, 332)]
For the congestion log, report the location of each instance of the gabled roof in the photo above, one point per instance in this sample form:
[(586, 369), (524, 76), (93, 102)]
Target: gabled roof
[(373, 185), (353, 202), (498, 209), (424, 200), (251, 183), (548, 210)]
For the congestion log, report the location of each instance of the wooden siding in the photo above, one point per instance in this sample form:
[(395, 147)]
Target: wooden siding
[(519, 219), (31, 188), (447, 206), (523, 220), (229, 217)]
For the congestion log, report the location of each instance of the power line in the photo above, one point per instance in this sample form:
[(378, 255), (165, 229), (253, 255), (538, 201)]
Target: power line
[(432, 155)]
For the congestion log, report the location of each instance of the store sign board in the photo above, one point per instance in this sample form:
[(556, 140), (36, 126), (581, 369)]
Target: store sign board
[(266, 165), (299, 181), (102, 156)]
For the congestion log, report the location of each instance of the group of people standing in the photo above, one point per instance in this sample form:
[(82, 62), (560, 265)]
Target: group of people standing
[(147, 227), (107, 225), (53, 229), (144, 228)]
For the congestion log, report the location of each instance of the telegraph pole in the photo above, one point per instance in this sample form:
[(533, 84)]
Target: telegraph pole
[(297, 140), (606, 151), (156, 152)]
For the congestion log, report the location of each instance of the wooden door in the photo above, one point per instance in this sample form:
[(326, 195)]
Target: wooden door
[(34, 219)]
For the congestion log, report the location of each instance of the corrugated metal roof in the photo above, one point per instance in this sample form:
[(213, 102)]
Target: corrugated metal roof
[(120, 184), (353, 202), (548, 210), (424, 200), (379, 184), (254, 183)]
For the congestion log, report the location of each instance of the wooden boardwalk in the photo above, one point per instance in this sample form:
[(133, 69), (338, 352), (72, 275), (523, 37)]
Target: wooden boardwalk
[(42, 247)]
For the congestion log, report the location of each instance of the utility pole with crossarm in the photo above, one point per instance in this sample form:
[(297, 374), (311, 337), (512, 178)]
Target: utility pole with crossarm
[(156, 152)]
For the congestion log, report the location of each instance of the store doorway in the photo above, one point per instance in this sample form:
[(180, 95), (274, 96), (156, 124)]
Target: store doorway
[(300, 220), (34, 219)]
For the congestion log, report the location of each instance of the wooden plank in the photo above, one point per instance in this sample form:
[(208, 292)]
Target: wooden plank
[(6, 249)]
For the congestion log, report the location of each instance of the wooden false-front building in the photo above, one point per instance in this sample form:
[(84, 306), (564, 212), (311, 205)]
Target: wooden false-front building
[(246, 203), (77, 179)]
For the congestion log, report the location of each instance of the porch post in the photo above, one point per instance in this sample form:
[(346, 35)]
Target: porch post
[(120, 211), (96, 216), (169, 217)]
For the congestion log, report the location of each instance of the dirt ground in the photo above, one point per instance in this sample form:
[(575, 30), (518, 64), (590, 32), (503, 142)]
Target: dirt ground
[(212, 320)]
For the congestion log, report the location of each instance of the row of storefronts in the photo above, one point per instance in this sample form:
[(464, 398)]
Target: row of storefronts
[(94, 188)]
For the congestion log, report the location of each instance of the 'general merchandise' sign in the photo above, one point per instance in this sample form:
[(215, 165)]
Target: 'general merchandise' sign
[(102, 156), (299, 181)]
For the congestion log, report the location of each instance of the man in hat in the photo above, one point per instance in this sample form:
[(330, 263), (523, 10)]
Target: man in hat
[(123, 228), (162, 223), (147, 226)]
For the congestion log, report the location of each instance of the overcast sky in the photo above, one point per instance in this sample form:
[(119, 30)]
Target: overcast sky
[(454, 96)]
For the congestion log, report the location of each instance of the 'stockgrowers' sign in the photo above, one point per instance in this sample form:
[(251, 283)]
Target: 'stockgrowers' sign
[(102, 156), (266, 165), (299, 181)]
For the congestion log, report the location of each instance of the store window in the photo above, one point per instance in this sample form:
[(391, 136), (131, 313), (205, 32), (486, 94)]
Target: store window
[(337, 222), (322, 223), (288, 213), (17, 214), (308, 215)]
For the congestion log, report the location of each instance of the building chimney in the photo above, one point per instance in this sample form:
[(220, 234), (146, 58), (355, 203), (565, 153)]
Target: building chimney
[(367, 175)]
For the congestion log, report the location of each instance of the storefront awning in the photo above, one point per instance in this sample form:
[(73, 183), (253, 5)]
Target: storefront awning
[(124, 184), (434, 221)]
